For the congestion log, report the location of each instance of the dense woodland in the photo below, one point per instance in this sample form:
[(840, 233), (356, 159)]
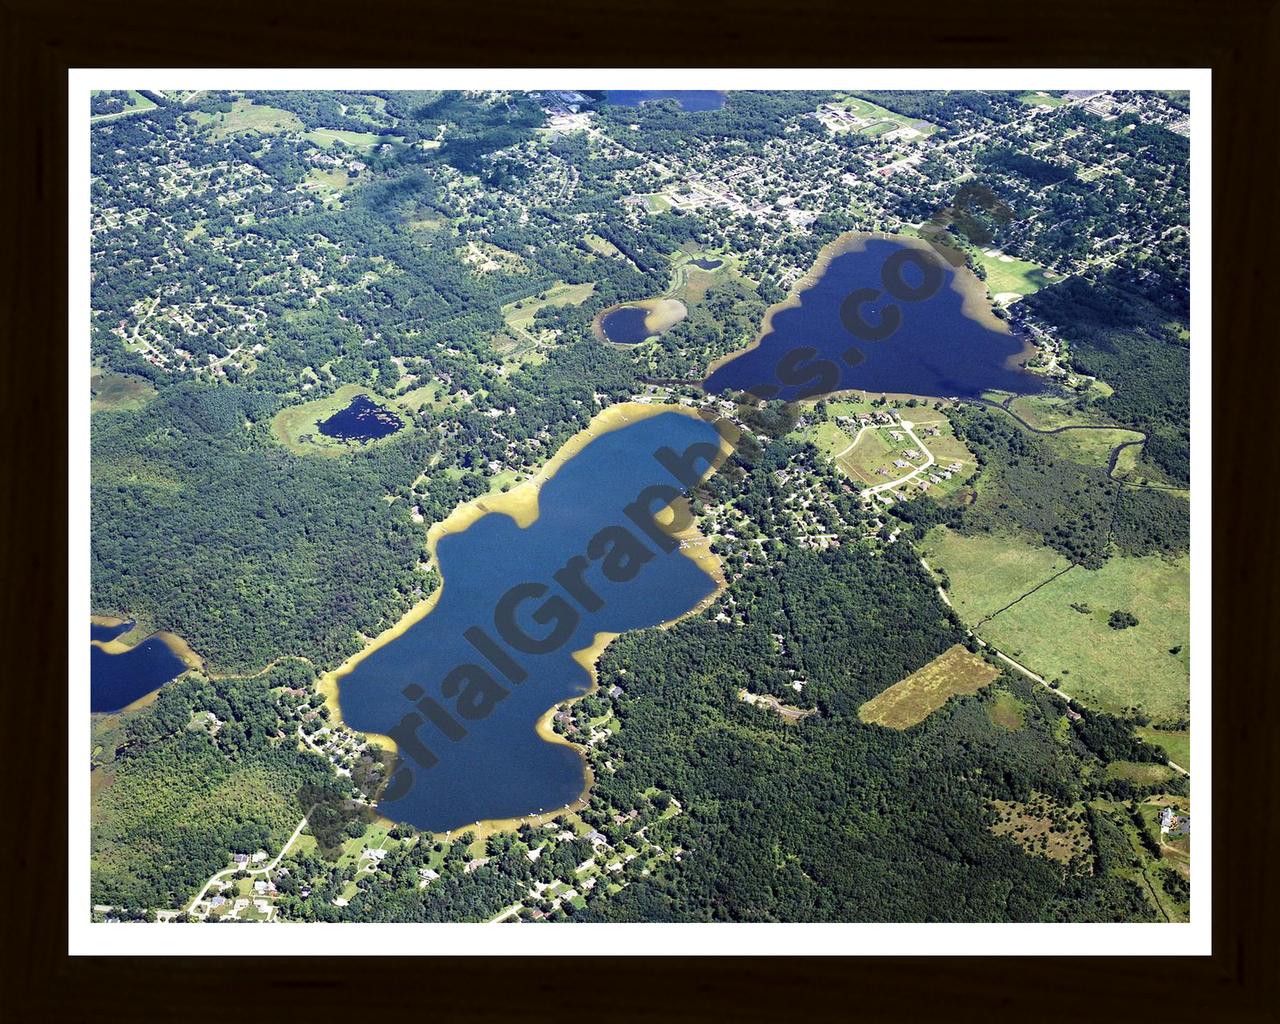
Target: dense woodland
[(1133, 336), (175, 798)]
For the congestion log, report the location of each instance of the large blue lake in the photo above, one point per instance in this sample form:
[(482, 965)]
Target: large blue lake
[(117, 680), (869, 338), (689, 99), (501, 767)]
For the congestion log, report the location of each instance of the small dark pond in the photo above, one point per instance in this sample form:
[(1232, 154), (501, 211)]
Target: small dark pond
[(708, 264), (117, 680), (362, 420), (626, 326)]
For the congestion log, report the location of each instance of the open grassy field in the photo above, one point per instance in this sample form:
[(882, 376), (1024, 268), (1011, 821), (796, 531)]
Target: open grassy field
[(118, 392), (138, 104), (1061, 632), (364, 142), (1090, 447), (296, 426), (866, 109), (1006, 711), (1048, 412), (329, 183), (1093, 447), (432, 395), (520, 313), (909, 702), (1175, 744), (988, 571), (1041, 99), (1139, 773), (1007, 276), (601, 245), (247, 116)]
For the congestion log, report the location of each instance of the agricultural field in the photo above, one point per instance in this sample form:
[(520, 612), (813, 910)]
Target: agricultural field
[(953, 672), (247, 116)]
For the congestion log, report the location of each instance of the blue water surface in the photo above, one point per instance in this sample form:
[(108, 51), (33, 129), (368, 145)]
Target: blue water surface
[(117, 680), (626, 326), (936, 350)]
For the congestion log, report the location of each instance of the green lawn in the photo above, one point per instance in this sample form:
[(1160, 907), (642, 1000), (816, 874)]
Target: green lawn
[(1009, 276), (1176, 745)]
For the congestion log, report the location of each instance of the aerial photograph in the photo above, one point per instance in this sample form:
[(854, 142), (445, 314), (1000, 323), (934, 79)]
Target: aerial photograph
[(560, 505)]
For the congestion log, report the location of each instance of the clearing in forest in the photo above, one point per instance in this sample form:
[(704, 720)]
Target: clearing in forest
[(953, 672)]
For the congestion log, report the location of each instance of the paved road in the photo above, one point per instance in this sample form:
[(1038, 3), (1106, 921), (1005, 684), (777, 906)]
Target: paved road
[(253, 871), (906, 425)]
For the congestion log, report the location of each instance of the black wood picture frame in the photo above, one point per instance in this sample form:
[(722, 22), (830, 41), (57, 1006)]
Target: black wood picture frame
[(41, 40)]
